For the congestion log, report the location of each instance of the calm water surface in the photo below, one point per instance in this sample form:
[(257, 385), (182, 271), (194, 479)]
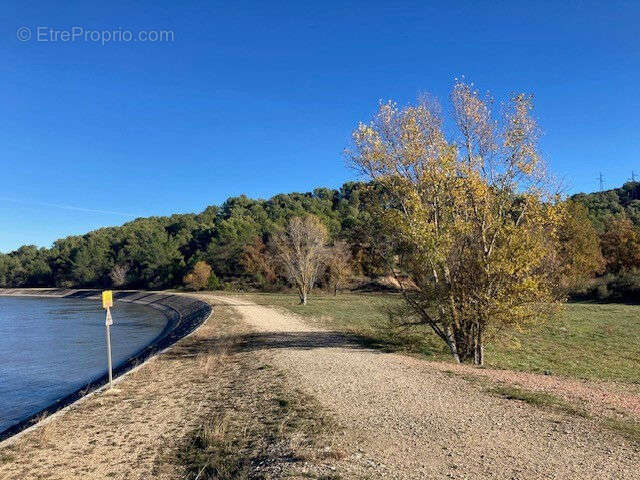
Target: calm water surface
[(50, 347)]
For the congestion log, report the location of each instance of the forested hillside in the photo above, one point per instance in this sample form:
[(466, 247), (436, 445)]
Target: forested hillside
[(604, 205), (156, 252), (615, 215)]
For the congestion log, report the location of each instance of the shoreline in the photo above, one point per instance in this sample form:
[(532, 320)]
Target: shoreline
[(184, 315)]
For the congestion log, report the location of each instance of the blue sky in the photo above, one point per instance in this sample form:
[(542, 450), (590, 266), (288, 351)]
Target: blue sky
[(261, 97)]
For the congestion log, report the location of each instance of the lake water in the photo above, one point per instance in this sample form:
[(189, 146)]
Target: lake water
[(50, 347)]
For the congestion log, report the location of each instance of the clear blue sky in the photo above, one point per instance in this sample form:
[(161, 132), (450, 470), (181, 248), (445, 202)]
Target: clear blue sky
[(261, 97)]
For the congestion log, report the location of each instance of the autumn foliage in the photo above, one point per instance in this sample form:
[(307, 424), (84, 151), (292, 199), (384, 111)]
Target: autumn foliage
[(339, 266), (198, 277), (472, 217), (258, 260), (621, 245)]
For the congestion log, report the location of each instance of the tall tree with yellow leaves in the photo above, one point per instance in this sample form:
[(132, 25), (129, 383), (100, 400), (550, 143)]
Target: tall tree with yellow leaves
[(473, 217)]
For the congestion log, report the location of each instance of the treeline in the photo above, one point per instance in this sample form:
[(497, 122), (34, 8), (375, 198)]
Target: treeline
[(615, 215), (609, 204), (157, 252)]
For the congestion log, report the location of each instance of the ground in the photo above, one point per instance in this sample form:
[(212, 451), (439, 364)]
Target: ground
[(584, 340), (263, 393), (212, 406)]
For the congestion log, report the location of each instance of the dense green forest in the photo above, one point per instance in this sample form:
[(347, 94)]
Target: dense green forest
[(605, 205), (157, 252)]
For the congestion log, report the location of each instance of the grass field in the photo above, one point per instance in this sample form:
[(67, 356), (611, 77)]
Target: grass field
[(585, 340)]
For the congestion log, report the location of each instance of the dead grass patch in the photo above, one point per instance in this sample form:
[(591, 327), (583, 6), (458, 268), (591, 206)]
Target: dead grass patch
[(7, 455), (257, 425)]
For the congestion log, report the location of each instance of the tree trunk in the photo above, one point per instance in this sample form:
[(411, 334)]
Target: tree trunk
[(451, 342), (303, 296), (478, 357), (465, 342)]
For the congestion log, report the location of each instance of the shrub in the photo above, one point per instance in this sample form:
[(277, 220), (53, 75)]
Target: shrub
[(621, 287), (214, 282), (198, 278)]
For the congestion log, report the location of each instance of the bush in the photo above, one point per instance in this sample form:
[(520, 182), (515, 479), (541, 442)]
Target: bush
[(625, 287), (622, 287), (602, 292), (214, 282), (198, 278)]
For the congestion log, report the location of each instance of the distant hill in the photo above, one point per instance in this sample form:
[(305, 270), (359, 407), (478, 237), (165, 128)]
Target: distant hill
[(156, 252), (619, 201)]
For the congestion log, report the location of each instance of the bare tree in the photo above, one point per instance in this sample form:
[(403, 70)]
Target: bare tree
[(118, 275), (301, 252), (338, 265)]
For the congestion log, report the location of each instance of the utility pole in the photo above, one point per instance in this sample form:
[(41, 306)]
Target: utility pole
[(601, 179), (633, 176)]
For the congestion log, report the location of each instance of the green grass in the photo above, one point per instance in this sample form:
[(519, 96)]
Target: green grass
[(627, 427), (361, 314), (594, 341), (585, 340)]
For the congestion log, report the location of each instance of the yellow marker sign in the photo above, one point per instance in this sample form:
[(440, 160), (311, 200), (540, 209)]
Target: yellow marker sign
[(107, 303), (107, 299)]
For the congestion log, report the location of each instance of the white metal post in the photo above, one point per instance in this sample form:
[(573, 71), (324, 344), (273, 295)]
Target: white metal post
[(108, 323)]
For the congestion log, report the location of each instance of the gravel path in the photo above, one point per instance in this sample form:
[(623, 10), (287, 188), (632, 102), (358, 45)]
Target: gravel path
[(404, 419), (605, 398)]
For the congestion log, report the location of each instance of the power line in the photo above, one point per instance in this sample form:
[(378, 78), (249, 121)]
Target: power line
[(601, 179)]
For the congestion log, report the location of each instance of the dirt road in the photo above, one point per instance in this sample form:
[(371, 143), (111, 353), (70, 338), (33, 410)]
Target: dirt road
[(403, 419)]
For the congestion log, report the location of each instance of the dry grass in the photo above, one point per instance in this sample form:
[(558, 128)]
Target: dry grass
[(44, 434), (210, 452), (261, 427)]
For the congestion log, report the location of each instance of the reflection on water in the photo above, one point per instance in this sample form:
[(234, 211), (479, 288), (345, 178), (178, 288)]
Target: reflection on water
[(50, 347)]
